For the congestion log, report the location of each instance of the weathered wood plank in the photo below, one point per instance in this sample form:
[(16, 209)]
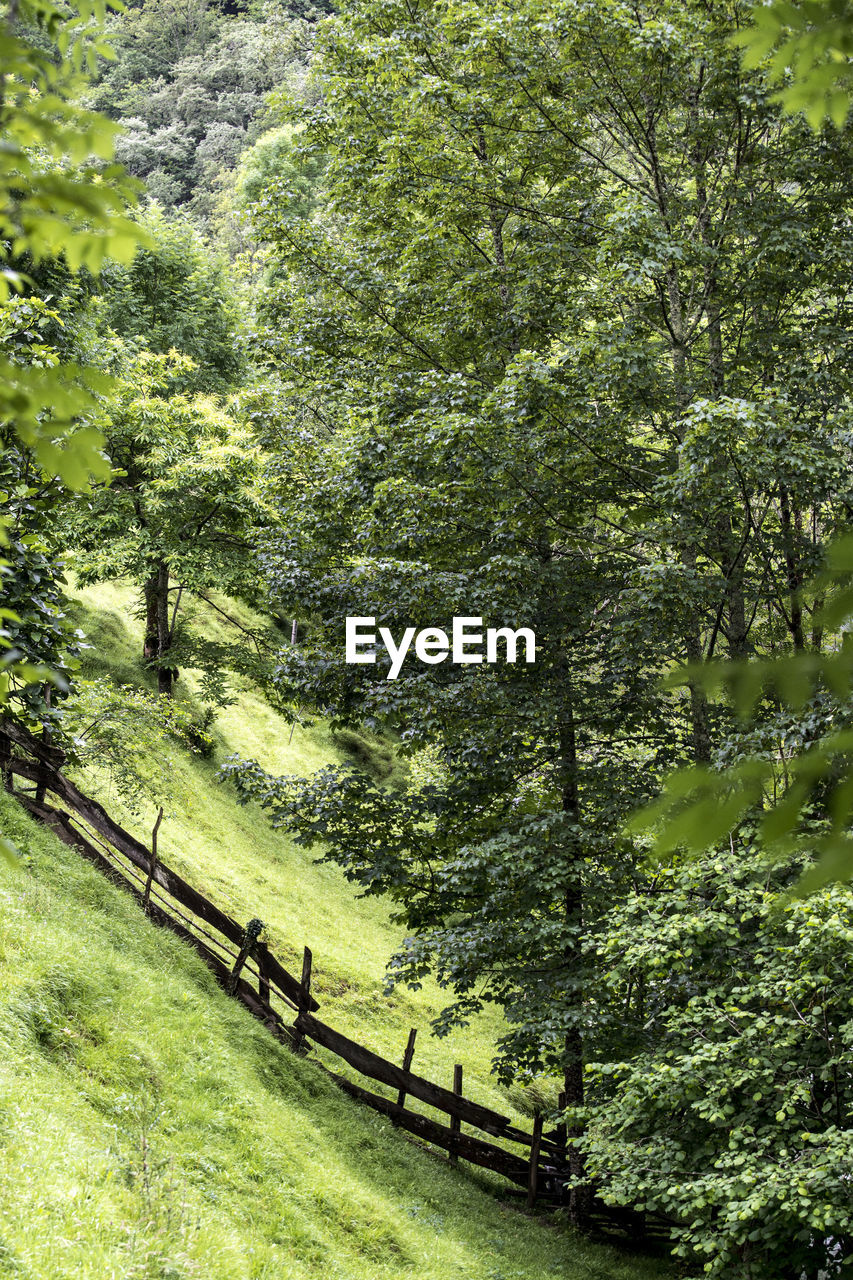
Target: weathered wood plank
[(174, 884), (472, 1149), (42, 751), (370, 1064), (5, 759)]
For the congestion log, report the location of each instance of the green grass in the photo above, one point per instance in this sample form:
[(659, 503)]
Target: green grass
[(151, 1129), (232, 854)]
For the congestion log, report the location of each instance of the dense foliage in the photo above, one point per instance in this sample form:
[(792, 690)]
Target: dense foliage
[(733, 1114), (537, 316), (189, 86), (178, 513), (175, 296), (59, 199), (570, 336), (810, 46)]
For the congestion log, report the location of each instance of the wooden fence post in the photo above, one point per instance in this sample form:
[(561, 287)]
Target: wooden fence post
[(407, 1064), (250, 941), (41, 785), (304, 997), (455, 1122), (146, 893), (305, 984), (533, 1173)]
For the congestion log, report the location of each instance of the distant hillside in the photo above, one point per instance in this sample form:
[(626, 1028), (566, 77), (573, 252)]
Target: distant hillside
[(189, 85)]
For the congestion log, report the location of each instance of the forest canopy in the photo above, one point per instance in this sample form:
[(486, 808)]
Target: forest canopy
[(537, 313)]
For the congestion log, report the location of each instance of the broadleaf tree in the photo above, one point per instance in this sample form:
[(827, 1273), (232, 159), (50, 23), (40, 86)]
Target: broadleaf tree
[(59, 197), (566, 344), (179, 512)]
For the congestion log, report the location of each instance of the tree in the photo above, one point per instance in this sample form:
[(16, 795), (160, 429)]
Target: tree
[(174, 295), (52, 201), (41, 645), (277, 171), (733, 1116), (189, 85), (807, 47), (177, 516), (57, 199), (567, 347)]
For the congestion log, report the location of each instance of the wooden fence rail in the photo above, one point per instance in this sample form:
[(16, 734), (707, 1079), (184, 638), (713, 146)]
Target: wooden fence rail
[(235, 953)]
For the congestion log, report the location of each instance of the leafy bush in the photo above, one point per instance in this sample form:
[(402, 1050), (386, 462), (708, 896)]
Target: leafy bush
[(734, 1117)]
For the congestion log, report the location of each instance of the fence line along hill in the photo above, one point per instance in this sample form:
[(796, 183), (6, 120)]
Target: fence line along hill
[(248, 970)]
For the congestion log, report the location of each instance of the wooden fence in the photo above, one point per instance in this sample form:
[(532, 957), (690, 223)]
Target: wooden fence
[(248, 970)]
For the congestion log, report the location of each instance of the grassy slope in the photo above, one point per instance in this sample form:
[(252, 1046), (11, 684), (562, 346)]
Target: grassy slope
[(233, 855), (151, 1129)]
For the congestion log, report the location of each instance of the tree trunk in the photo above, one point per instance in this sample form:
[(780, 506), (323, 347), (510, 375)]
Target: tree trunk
[(794, 575), (157, 631), (151, 643), (738, 633), (164, 672), (579, 1196), (700, 732), (733, 554), (5, 757)]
